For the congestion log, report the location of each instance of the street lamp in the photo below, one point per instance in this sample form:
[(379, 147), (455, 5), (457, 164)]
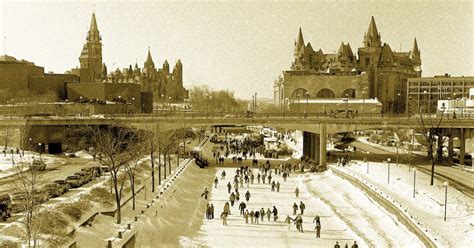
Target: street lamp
[(368, 162), (414, 181), (40, 150), (446, 184), (307, 100), (429, 102), (388, 170), (169, 101)]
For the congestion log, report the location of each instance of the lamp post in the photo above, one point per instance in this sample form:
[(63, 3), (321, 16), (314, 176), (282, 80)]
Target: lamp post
[(307, 101), (388, 170), (169, 101), (446, 184), (414, 181), (455, 105), (346, 101), (368, 153), (429, 103), (40, 149)]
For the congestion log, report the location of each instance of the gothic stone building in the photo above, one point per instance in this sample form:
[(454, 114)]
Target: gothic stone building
[(376, 71), (165, 85)]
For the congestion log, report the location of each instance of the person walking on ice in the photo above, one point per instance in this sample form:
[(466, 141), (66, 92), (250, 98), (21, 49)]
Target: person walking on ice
[(224, 218), (229, 187), (295, 208), (232, 199), (247, 196), (223, 175), (275, 214), (318, 229), (269, 213), (205, 193), (227, 208), (297, 192), (257, 215), (252, 215), (215, 182), (278, 186), (242, 207), (246, 216), (288, 221), (302, 207)]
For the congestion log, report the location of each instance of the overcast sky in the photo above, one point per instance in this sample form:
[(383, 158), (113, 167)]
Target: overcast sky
[(242, 46)]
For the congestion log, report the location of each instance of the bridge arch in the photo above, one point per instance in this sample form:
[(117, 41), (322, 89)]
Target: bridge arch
[(325, 93), (350, 93), (299, 93)]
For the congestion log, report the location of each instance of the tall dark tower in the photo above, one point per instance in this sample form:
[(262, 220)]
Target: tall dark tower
[(91, 55)]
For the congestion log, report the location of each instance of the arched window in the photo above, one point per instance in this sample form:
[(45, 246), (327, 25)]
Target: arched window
[(299, 93), (350, 93), (325, 93)]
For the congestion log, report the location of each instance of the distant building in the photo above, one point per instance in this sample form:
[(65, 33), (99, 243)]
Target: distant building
[(424, 93), (341, 74)]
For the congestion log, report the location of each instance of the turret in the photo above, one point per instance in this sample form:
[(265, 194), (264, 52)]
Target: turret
[(166, 67), (299, 43), (372, 37)]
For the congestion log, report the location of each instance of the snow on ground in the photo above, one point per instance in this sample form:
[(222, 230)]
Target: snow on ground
[(270, 233), (428, 205), (9, 161)]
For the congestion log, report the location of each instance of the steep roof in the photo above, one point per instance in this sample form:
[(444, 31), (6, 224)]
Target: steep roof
[(93, 26)]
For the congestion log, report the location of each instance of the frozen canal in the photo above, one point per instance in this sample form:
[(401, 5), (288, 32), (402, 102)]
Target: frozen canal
[(347, 215)]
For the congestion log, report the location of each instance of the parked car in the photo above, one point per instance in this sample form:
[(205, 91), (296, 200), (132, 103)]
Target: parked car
[(18, 201), (53, 189), (75, 181), (85, 176), (90, 172), (5, 207), (63, 184), (40, 196), (38, 165), (104, 169)]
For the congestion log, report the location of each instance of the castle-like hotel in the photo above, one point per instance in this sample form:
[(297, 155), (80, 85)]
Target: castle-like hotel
[(377, 72)]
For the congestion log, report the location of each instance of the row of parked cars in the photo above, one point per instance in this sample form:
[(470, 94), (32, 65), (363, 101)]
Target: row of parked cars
[(16, 202)]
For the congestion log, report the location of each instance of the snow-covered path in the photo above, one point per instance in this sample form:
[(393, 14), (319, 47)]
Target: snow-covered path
[(369, 220), (274, 234)]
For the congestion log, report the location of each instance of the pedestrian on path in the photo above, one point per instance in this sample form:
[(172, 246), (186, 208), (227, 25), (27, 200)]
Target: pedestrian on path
[(224, 218), (205, 193), (212, 211), (268, 214), (299, 223), (242, 207), (229, 187), (288, 221), (232, 199), (246, 216), (278, 186), (252, 215), (318, 229), (223, 174), (273, 186), (262, 214), (295, 208), (257, 215), (247, 196), (297, 192), (275, 214), (208, 212), (215, 182), (302, 207), (227, 208)]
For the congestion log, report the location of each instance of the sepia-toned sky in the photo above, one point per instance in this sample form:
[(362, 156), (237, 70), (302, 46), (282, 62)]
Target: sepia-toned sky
[(240, 46)]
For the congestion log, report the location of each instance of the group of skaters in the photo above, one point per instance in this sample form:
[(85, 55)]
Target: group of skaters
[(354, 245)]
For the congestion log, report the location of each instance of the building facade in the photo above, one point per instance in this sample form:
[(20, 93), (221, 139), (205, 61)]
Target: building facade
[(423, 93), (386, 71)]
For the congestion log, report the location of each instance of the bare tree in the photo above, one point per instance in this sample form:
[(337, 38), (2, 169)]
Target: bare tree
[(136, 153), (430, 130), (26, 199), (112, 144)]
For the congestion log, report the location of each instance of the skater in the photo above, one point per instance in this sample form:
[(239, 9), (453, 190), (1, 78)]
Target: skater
[(229, 187), (205, 193), (316, 219), (297, 192), (337, 245), (355, 245), (318, 229), (208, 212), (242, 207), (258, 177), (232, 199), (299, 223), (275, 213), (273, 186), (246, 216), (268, 213), (227, 208), (278, 186), (270, 177), (212, 211), (224, 218), (302, 207), (288, 221), (257, 215), (252, 177), (237, 195), (223, 175), (295, 208), (252, 215), (215, 182), (247, 196), (262, 213)]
